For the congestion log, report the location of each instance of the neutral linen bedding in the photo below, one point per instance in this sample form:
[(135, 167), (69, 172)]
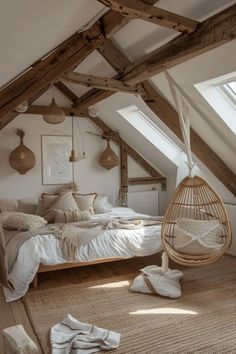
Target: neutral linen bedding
[(45, 249)]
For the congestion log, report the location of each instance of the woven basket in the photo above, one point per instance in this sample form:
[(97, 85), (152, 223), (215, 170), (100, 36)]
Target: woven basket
[(109, 159), (22, 159), (194, 199)]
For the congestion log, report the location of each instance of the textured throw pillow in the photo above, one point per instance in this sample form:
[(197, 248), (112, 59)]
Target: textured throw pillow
[(28, 205), (85, 201), (101, 204), (62, 202), (71, 216), (24, 222), (8, 205), (197, 237)]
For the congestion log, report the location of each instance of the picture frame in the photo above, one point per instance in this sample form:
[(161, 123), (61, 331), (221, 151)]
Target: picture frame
[(55, 153)]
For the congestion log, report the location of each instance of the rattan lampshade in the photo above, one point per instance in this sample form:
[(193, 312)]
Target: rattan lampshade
[(55, 114), (109, 159), (22, 159), (195, 200)]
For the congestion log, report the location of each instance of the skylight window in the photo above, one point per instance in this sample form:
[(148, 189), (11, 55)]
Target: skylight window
[(230, 90), (141, 122), (220, 93)]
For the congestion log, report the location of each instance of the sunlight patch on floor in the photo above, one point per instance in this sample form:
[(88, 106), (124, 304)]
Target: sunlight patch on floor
[(119, 284), (163, 311)]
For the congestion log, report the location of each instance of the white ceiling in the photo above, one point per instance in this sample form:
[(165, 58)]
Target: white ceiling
[(31, 28)]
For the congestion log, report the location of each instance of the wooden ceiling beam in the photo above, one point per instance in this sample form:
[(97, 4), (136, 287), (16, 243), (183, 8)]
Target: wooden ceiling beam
[(12, 115), (163, 109), (67, 92), (213, 32), (114, 57), (136, 9), (94, 96), (117, 60), (71, 52), (102, 83), (113, 21), (40, 109)]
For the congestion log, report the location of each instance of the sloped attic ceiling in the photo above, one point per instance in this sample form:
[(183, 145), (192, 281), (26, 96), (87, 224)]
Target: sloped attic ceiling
[(30, 29), (135, 39)]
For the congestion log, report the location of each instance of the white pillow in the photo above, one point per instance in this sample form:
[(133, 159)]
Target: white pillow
[(101, 204), (23, 222), (85, 201)]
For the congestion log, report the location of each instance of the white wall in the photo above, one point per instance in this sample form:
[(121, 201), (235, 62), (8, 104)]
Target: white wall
[(89, 175)]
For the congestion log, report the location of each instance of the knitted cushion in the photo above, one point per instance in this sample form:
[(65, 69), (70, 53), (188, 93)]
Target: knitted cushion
[(71, 216), (196, 237), (24, 222), (62, 202)]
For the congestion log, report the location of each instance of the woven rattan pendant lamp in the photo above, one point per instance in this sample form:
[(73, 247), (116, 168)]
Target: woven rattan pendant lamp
[(108, 158), (22, 159), (55, 114), (196, 229)]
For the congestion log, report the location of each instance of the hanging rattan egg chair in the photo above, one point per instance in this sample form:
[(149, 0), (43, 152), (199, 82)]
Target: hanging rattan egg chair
[(196, 229)]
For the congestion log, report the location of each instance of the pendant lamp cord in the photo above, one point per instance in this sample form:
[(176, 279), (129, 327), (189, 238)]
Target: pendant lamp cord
[(184, 119)]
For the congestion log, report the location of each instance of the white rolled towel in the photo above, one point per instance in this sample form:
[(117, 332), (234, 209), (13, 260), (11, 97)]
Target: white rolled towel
[(153, 280), (73, 336)]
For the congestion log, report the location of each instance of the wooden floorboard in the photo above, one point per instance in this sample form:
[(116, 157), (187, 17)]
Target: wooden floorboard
[(15, 313)]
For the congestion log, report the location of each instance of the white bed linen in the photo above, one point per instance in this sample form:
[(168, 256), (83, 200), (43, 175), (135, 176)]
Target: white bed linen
[(112, 243)]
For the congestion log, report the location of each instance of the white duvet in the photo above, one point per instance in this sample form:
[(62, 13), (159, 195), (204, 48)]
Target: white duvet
[(112, 243)]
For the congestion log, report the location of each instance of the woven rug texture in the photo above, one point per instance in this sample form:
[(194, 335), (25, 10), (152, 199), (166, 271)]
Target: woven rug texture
[(203, 320)]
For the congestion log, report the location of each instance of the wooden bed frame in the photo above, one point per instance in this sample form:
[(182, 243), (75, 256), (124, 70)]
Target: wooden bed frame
[(49, 268)]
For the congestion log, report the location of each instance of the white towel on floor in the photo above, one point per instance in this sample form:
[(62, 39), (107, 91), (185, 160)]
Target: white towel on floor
[(71, 336), (153, 280)]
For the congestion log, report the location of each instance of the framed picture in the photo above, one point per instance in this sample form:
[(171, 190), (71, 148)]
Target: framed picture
[(56, 168)]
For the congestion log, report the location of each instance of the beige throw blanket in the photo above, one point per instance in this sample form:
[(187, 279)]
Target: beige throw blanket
[(71, 237)]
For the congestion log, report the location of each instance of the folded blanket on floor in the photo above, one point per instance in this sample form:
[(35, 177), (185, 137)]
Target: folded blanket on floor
[(72, 336), (153, 280)]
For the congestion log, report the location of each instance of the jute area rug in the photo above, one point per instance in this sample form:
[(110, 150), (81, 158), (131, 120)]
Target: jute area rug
[(203, 320)]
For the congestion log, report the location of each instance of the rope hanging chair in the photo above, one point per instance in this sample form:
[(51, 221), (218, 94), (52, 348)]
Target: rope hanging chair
[(196, 229)]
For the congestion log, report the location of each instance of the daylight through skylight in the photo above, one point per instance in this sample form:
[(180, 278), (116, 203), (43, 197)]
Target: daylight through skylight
[(151, 131), (220, 93)]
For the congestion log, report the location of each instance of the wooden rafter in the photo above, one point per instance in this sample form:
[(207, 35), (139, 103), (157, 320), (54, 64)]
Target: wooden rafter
[(102, 83), (136, 9), (71, 52), (117, 60), (40, 109), (113, 21), (169, 116), (114, 57), (67, 92), (12, 115), (211, 33), (163, 109)]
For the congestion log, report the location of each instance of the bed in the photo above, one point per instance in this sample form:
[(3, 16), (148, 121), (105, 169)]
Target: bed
[(42, 253)]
